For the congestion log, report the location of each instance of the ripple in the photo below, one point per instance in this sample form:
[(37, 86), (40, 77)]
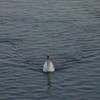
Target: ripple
[(10, 41)]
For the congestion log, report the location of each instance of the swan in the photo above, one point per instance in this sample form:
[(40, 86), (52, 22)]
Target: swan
[(48, 65)]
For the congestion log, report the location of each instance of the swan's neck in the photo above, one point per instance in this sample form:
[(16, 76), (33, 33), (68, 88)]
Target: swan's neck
[(48, 64)]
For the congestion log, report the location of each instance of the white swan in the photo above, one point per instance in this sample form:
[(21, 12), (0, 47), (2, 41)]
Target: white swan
[(48, 66)]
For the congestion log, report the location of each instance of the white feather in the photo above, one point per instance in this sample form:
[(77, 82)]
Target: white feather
[(48, 67)]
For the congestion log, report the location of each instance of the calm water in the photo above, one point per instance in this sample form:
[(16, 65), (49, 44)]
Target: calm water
[(68, 30)]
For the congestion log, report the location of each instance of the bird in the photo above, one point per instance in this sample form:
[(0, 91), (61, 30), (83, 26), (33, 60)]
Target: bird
[(48, 65)]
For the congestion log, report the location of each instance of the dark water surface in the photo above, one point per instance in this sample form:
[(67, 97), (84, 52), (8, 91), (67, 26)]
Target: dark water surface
[(68, 30)]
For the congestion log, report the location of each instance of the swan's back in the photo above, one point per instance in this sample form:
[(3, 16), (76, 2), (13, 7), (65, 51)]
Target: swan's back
[(50, 69)]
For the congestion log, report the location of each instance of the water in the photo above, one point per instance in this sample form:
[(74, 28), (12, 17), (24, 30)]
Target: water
[(68, 30)]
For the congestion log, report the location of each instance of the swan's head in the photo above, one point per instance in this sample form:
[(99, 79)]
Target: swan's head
[(48, 57)]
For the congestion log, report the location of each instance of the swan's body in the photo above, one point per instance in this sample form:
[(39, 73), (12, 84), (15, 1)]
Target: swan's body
[(48, 66)]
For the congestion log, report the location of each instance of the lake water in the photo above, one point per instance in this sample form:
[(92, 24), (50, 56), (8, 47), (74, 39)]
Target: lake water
[(67, 30)]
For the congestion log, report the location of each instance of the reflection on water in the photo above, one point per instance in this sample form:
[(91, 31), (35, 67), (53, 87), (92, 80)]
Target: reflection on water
[(68, 30), (49, 78)]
